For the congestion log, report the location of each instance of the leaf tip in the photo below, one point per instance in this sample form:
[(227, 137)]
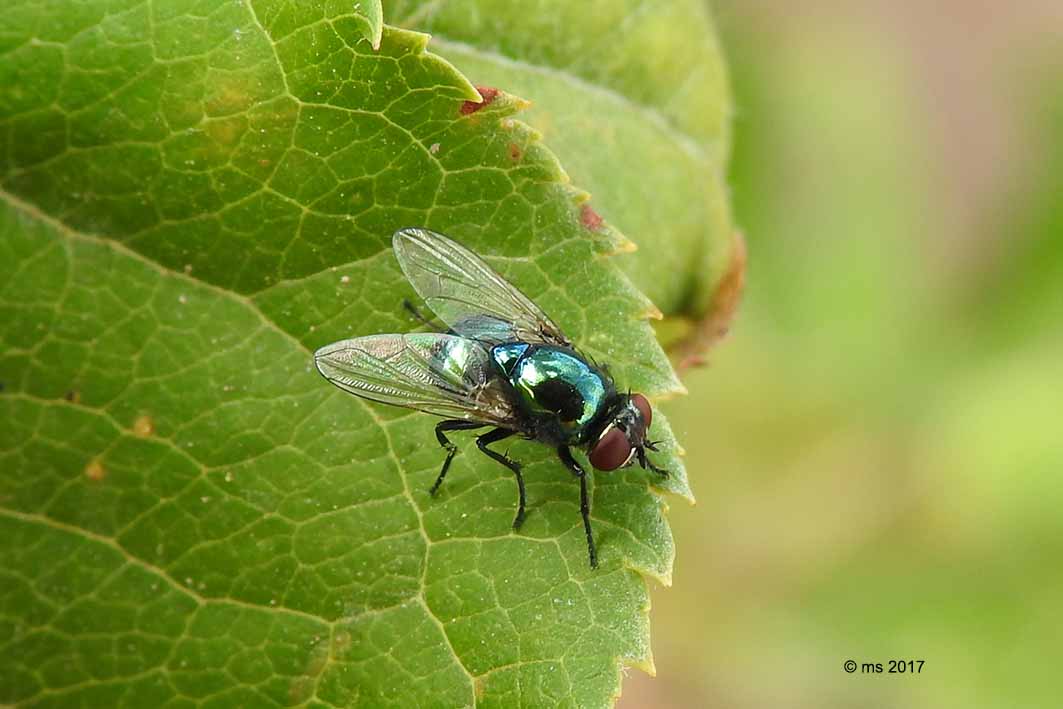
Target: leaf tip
[(651, 312), (625, 246), (645, 664), (376, 36), (683, 491), (661, 573), (374, 15), (420, 42)]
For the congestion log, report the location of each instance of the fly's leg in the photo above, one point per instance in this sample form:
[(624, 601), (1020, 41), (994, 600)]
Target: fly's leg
[(497, 435), (449, 425), (645, 462), (584, 504), (419, 316)]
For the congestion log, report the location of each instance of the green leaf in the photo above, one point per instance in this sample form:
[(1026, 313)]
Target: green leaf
[(637, 104), (196, 195), (373, 15)]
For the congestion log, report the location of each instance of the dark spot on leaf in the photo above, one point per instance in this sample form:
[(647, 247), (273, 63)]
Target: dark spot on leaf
[(515, 153), (589, 218), (73, 396), (488, 95)]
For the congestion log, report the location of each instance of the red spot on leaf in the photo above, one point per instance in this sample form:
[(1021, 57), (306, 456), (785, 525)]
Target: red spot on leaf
[(488, 95), (589, 218), (515, 153)]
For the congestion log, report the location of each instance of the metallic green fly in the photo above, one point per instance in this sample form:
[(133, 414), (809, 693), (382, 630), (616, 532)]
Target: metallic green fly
[(503, 363)]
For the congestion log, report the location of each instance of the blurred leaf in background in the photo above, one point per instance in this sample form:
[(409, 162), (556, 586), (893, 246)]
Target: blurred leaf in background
[(877, 449)]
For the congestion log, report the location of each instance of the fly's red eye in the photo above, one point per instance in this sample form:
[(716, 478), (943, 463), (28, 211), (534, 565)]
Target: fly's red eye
[(644, 407), (611, 451)]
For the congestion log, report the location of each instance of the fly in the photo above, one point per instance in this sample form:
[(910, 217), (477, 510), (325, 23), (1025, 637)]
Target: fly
[(503, 364)]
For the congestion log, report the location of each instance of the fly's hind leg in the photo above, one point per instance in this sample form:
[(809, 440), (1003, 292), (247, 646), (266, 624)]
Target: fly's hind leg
[(449, 425), (497, 435), (421, 317), (584, 503)]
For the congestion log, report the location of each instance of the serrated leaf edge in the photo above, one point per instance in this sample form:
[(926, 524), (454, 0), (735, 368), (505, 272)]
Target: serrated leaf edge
[(503, 107)]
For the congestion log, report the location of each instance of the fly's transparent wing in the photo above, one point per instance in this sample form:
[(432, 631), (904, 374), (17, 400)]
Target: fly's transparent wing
[(467, 294), (445, 375)]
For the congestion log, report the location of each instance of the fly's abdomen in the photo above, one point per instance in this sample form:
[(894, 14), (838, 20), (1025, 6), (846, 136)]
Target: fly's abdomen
[(555, 383)]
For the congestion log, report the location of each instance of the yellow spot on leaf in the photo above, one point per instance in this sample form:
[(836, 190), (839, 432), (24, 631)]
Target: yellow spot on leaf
[(303, 686), (341, 643), (144, 426), (229, 94), (225, 132), (95, 470)]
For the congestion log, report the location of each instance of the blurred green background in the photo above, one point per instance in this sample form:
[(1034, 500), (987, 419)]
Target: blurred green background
[(877, 449)]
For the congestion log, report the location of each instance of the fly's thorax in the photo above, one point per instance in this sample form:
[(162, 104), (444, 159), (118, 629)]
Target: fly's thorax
[(507, 355), (561, 390)]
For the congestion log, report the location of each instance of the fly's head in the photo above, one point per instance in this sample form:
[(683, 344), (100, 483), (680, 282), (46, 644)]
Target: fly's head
[(623, 439)]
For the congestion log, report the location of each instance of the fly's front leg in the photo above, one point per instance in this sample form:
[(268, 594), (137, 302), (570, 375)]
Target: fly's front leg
[(449, 425), (645, 462), (497, 435), (584, 503)]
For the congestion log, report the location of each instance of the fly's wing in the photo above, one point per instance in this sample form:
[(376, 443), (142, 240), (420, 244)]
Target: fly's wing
[(440, 374), (467, 294)]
